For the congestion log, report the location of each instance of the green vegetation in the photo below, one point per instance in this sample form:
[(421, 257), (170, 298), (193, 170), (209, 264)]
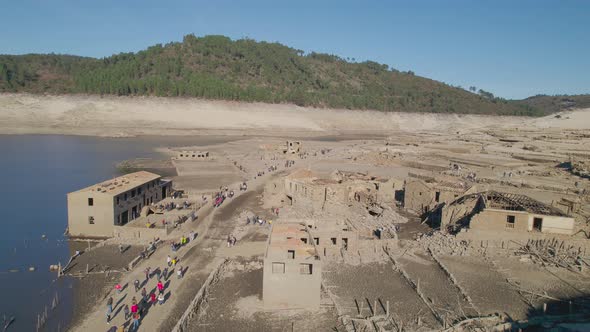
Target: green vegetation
[(552, 104), (215, 67)]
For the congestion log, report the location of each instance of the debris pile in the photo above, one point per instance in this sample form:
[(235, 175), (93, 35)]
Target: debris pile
[(446, 244), (553, 253)]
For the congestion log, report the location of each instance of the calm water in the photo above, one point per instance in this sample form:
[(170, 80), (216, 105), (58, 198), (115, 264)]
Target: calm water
[(37, 172)]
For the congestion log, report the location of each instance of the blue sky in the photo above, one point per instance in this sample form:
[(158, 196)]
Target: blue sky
[(512, 48)]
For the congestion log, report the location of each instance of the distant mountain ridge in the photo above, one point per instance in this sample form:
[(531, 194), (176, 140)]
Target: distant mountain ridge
[(216, 67)]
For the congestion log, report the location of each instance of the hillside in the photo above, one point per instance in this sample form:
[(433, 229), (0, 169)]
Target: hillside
[(215, 67), (553, 104)]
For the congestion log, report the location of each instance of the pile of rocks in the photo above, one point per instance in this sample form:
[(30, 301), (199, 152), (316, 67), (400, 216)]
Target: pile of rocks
[(444, 244)]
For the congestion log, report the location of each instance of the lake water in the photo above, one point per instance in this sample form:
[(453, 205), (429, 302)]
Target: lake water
[(38, 171)]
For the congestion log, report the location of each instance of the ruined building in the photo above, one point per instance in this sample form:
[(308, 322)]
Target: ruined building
[(422, 197), (495, 211), (191, 155), (292, 274), (313, 193), (94, 211)]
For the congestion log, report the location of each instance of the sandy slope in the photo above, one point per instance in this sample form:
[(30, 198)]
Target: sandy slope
[(124, 116)]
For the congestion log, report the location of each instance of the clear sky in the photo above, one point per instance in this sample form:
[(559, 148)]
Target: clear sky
[(512, 48)]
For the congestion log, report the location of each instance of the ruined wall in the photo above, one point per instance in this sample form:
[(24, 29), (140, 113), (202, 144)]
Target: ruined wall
[(285, 286), (496, 220), (417, 196), (192, 155), (451, 214), (387, 190), (305, 195), (331, 243), (148, 234), (554, 224)]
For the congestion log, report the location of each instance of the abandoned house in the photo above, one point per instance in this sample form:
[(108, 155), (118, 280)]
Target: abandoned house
[(191, 155), (496, 211), (292, 274), (95, 210), (306, 189), (422, 196), (292, 147)]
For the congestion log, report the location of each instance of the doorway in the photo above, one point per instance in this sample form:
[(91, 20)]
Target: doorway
[(124, 217), (537, 224)]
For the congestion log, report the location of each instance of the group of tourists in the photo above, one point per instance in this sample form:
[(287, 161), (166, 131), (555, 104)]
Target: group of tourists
[(138, 309), (256, 220), (243, 186)]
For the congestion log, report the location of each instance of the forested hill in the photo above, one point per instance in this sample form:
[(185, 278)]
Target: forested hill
[(215, 67)]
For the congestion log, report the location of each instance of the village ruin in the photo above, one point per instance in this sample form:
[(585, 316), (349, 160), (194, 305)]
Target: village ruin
[(394, 234)]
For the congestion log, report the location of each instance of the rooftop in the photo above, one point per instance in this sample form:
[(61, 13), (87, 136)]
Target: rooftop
[(515, 202), (287, 236), (121, 184)]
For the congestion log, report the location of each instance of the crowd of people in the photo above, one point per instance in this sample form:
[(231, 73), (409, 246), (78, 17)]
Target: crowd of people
[(137, 309)]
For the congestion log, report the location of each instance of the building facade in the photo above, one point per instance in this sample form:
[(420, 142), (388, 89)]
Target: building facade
[(292, 274), (94, 211), (422, 197)]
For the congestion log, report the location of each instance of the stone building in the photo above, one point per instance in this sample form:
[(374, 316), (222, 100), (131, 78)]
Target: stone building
[(306, 189), (94, 211), (191, 155), (292, 274), (496, 211), (422, 196)]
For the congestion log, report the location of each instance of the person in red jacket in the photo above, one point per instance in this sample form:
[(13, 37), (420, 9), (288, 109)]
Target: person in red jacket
[(160, 287)]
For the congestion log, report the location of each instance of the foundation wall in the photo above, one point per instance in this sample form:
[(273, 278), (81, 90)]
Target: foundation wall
[(148, 234)]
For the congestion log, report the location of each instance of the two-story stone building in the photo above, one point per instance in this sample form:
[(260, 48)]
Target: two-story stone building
[(95, 210)]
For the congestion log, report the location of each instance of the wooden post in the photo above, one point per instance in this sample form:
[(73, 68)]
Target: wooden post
[(387, 308), (375, 308), (544, 308), (86, 268)]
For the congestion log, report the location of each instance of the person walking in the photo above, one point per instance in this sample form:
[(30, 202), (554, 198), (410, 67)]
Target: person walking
[(126, 311), (158, 273), (169, 261), (118, 288), (160, 286), (144, 295), (153, 298), (109, 309), (161, 298), (147, 273), (134, 307), (135, 323), (179, 272), (136, 284), (165, 274)]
